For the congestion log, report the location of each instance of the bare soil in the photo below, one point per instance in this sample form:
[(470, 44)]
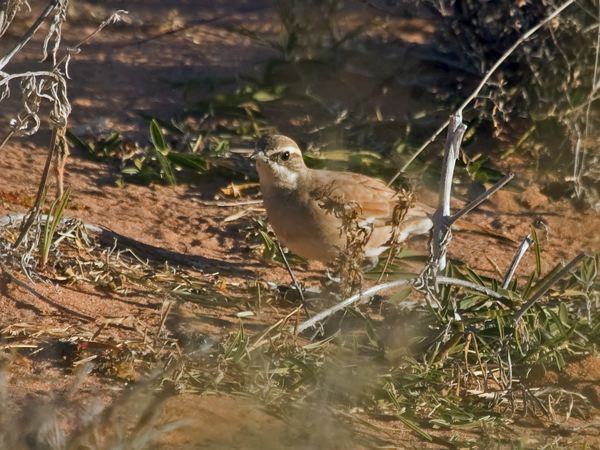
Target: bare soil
[(113, 79)]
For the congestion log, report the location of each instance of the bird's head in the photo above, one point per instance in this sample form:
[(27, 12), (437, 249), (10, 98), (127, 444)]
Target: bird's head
[(278, 161)]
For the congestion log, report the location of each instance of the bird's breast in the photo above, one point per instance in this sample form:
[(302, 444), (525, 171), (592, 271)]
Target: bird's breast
[(303, 226)]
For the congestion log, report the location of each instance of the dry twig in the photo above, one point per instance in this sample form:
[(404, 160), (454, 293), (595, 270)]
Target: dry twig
[(517, 260), (542, 290), (369, 293)]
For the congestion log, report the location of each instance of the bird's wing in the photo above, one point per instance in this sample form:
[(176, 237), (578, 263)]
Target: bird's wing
[(374, 198)]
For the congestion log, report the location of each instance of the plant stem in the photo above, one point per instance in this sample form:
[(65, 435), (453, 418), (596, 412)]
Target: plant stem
[(293, 277), (391, 285), (482, 198), (39, 199), (441, 219), (517, 260), (547, 285)]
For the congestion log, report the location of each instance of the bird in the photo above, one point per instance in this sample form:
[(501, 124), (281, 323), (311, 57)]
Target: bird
[(296, 200)]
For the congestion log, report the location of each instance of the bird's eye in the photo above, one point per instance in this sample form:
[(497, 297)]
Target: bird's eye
[(285, 156)]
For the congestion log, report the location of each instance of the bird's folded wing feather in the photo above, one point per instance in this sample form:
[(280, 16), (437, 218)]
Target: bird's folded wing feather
[(376, 200)]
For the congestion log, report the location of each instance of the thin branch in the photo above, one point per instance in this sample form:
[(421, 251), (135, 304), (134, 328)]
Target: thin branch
[(7, 137), (483, 82), (294, 281), (391, 285), (39, 199), (420, 150), (577, 161), (112, 19), (187, 26), (517, 260), (481, 198), (542, 290), (348, 302)]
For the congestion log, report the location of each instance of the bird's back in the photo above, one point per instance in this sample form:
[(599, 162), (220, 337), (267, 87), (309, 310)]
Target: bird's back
[(374, 200)]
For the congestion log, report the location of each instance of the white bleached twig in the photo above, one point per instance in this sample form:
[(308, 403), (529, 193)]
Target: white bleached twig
[(517, 260), (441, 219), (349, 302), (367, 294)]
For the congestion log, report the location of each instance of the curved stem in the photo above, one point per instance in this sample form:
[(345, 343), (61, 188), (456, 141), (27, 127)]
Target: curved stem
[(390, 285)]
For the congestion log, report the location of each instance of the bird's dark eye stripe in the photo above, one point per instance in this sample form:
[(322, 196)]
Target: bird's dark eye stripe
[(283, 156)]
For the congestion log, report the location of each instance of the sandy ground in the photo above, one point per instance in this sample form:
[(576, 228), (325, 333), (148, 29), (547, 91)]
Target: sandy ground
[(114, 79)]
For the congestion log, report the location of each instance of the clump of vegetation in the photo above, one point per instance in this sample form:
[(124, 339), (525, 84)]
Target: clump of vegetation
[(129, 422), (543, 101), (418, 365), (30, 245), (41, 87), (175, 154)]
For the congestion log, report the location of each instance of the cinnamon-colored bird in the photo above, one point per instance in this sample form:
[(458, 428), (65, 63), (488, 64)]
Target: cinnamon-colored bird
[(293, 197)]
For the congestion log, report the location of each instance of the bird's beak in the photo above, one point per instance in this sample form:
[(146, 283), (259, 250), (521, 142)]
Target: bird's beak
[(258, 155)]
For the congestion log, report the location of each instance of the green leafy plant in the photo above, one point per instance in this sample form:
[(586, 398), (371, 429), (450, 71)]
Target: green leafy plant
[(50, 226), (161, 161), (104, 147), (161, 153)]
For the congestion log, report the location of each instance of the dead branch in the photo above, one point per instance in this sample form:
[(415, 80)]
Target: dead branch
[(545, 287), (369, 293), (481, 198), (441, 219), (39, 199), (517, 260), (294, 280)]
